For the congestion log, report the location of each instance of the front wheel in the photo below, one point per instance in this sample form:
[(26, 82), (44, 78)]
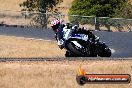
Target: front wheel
[(77, 51), (68, 54)]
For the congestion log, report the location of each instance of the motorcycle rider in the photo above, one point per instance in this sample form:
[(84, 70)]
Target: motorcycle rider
[(83, 30), (59, 28)]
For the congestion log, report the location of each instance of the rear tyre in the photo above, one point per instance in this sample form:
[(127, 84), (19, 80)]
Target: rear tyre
[(105, 53), (103, 50)]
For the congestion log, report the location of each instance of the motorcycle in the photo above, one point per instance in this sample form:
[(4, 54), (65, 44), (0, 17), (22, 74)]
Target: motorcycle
[(80, 45)]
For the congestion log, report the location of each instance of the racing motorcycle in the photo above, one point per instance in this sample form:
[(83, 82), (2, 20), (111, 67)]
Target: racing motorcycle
[(80, 45)]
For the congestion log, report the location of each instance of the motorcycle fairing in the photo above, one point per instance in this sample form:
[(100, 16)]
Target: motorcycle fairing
[(77, 44), (80, 36)]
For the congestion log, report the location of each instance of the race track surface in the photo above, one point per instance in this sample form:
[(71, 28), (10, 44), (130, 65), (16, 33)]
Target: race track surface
[(119, 42)]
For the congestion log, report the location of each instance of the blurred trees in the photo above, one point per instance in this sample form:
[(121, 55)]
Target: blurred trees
[(100, 8), (41, 6)]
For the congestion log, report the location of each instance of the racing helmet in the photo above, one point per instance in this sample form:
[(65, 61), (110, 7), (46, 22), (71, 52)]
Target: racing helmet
[(55, 25)]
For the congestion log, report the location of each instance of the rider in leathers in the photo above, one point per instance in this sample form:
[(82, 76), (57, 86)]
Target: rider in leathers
[(58, 28)]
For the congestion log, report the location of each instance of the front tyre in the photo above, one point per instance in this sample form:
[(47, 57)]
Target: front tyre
[(76, 51), (68, 54)]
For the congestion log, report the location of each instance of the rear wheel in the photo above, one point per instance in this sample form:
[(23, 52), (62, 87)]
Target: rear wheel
[(105, 51)]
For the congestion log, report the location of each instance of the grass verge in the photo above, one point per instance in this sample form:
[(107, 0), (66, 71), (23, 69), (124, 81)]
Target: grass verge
[(58, 74), (22, 47)]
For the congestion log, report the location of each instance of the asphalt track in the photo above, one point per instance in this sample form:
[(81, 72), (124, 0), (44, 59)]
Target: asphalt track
[(60, 59), (119, 42)]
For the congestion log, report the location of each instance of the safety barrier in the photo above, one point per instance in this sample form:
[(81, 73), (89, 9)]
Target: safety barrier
[(36, 19)]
